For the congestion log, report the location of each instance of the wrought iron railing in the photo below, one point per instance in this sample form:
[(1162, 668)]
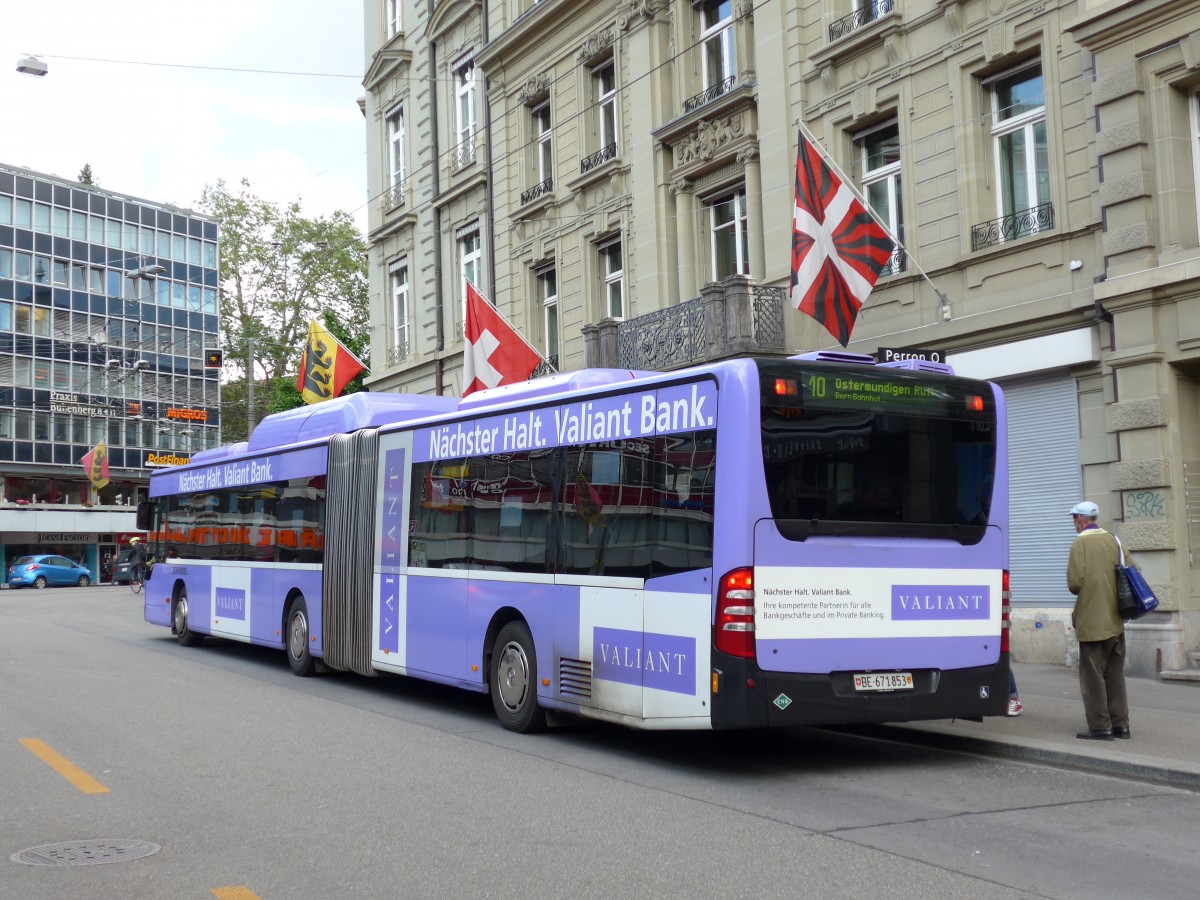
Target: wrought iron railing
[(548, 366), (393, 197), (1016, 225), (709, 94), (462, 155), (700, 329), (397, 353), (896, 264), (667, 338), (868, 12), (536, 191), (603, 155)]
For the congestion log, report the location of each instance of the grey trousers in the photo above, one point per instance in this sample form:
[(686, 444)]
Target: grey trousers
[(1102, 683)]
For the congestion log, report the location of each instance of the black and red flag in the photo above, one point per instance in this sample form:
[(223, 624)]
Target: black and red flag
[(838, 249)]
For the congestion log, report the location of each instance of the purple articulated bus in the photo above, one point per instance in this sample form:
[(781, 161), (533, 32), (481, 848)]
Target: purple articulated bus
[(756, 542)]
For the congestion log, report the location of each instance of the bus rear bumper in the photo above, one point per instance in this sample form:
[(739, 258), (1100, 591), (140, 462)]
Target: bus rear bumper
[(748, 697)]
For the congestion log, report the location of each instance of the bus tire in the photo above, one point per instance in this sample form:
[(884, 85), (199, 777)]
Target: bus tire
[(513, 680), (179, 622), (299, 657)]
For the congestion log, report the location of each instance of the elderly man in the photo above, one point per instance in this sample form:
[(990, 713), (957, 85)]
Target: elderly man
[(1091, 577)]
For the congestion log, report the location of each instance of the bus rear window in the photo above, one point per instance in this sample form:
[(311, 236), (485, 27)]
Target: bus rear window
[(862, 451)]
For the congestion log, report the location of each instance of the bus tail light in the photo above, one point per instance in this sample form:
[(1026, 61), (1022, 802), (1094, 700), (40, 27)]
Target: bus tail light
[(1005, 605), (734, 629)]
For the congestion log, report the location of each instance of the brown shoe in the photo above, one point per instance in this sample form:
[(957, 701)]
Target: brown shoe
[(1105, 734)]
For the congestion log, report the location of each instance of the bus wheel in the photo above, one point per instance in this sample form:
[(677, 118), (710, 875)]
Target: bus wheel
[(299, 658), (514, 680), (179, 622)]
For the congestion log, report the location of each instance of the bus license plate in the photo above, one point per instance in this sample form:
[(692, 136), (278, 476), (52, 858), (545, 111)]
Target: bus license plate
[(884, 681)]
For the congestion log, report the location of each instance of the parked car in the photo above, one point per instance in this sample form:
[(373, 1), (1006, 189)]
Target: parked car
[(121, 569), (47, 569)]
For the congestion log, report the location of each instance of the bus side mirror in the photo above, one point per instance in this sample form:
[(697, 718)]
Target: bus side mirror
[(143, 516)]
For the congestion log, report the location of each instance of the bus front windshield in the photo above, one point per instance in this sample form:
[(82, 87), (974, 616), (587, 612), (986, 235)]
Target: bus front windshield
[(856, 450)]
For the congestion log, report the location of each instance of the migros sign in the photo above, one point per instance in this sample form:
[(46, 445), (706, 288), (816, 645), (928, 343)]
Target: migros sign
[(189, 415)]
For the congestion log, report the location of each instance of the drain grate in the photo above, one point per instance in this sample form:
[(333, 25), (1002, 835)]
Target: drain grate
[(85, 853)]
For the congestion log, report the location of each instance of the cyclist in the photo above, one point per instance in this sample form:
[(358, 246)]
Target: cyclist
[(137, 561)]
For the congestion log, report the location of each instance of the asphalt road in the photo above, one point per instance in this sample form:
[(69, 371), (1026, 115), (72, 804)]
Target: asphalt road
[(255, 783)]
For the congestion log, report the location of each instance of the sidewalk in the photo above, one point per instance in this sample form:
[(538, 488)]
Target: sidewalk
[(1164, 718)]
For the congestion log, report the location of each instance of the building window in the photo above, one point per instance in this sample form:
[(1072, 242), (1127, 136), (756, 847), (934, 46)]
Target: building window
[(393, 10), (1022, 157), (716, 41), (547, 286), (730, 244), (401, 318), (1195, 127), (396, 159), (614, 279), (470, 256), (464, 79), (605, 79), (545, 150), (879, 155), (395, 129)]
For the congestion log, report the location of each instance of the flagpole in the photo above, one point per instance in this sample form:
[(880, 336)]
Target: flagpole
[(942, 298)]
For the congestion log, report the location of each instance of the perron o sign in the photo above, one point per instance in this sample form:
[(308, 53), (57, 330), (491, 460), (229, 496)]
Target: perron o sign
[(899, 354)]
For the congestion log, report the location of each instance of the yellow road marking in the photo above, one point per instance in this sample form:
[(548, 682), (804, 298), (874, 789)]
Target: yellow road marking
[(64, 767), (236, 892)]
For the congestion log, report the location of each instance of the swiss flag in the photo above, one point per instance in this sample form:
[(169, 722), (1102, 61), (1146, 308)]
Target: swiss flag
[(493, 352), (838, 249)]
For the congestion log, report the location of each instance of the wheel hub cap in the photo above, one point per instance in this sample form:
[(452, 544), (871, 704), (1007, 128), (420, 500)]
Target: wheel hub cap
[(513, 676)]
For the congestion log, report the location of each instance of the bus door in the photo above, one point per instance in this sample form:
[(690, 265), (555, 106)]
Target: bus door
[(591, 555)]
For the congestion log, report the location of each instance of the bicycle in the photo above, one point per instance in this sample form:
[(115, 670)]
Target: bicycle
[(137, 578)]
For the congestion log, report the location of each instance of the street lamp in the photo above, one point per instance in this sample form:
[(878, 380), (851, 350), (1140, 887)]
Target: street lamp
[(31, 65)]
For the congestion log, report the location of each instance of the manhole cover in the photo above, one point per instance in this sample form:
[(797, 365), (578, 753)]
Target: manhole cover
[(85, 853)]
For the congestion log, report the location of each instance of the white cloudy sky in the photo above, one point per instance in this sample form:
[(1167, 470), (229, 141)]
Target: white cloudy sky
[(163, 132)]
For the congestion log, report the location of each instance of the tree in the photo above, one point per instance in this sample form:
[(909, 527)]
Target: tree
[(280, 270), (85, 174)]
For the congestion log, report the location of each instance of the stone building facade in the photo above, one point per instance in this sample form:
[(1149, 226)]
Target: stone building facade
[(618, 178)]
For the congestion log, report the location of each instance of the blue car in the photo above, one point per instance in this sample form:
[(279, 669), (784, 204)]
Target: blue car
[(47, 569)]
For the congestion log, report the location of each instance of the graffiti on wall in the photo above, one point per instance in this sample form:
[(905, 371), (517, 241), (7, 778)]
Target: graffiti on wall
[(1144, 505)]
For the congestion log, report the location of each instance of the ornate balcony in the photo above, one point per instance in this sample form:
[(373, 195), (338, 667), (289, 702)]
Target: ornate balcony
[(538, 190), (730, 318), (1016, 225), (603, 155), (860, 17), (709, 94)]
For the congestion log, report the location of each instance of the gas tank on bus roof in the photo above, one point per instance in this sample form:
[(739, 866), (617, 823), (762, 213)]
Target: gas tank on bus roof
[(549, 385), (343, 415)]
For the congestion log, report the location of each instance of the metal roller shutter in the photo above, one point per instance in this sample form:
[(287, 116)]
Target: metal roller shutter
[(1044, 474)]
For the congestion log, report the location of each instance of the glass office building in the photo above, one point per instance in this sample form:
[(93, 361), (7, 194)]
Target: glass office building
[(108, 312)]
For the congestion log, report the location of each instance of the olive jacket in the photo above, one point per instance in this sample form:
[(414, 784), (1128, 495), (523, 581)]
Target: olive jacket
[(1091, 577)]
